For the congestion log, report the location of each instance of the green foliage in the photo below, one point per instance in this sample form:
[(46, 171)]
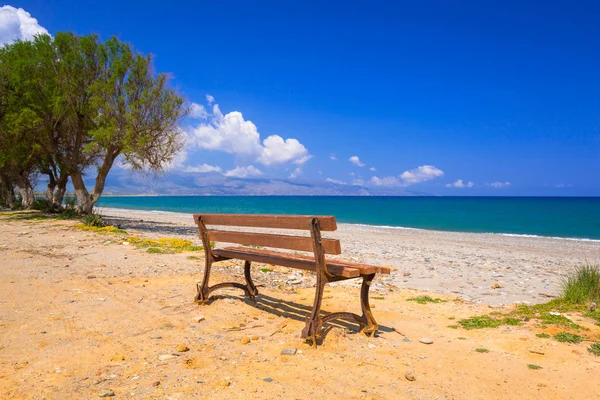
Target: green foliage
[(266, 270), (582, 285), (559, 320), (543, 335), (72, 102), (567, 337), (41, 204), (482, 350), (533, 366), (485, 321), (594, 348), (93, 219), (426, 299)]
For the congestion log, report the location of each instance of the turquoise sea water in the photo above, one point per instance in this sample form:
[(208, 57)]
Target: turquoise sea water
[(565, 217)]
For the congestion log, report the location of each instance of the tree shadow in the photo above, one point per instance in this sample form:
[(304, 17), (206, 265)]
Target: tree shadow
[(151, 227)]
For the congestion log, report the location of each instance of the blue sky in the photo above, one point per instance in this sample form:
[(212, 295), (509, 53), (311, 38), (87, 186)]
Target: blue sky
[(503, 96)]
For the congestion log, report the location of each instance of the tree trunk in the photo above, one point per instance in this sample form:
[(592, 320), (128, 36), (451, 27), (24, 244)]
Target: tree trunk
[(7, 192), (26, 190), (85, 204), (50, 188), (59, 194)]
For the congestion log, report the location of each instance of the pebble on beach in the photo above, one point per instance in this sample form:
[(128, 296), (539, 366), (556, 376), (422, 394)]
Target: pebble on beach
[(426, 340), (410, 376), (182, 348)]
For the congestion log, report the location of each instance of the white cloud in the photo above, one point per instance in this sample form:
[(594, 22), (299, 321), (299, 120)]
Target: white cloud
[(233, 134), (385, 181), (204, 168), (499, 185), (460, 184), (356, 161), (276, 150), (296, 173), (210, 99), (416, 175), (421, 174), (335, 181), (333, 157), (16, 23), (373, 169), (243, 172), (198, 111)]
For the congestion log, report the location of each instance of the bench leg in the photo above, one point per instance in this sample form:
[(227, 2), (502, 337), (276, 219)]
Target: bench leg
[(204, 289), (313, 324), (367, 322), (251, 289), (371, 325)]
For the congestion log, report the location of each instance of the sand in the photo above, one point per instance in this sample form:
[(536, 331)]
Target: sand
[(82, 315)]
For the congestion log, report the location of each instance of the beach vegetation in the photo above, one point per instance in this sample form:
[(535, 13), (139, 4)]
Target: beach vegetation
[(594, 348), (93, 219), (481, 350), (425, 300), (559, 320), (266, 270), (164, 245), (543, 335), (582, 285), (533, 366), (108, 229), (485, 321), (567, 337)]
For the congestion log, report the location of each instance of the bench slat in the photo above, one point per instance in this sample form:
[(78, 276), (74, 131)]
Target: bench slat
[(331, 246), (267, 221), (285, 260), (296, 261)]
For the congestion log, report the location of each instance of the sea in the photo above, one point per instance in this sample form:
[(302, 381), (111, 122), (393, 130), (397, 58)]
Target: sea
[(575, 218)]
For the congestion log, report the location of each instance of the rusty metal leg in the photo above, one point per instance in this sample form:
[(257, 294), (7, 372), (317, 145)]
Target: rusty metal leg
[(367, 316), (249, 283), (313, 324), (203, 290)]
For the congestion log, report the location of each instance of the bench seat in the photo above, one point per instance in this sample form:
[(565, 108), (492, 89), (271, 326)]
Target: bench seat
[(335, 267)]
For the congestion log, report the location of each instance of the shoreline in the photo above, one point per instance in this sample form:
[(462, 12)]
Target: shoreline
[(484, 268), (381, 227)]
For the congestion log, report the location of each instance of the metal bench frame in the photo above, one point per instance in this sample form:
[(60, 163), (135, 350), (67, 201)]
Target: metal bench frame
[(314, 323)]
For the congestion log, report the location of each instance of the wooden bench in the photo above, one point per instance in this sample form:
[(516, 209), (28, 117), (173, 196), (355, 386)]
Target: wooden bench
[(327, 270)]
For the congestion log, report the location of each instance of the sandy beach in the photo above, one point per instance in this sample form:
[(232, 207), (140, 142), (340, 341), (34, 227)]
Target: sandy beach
[(88, 315), (466, 265)]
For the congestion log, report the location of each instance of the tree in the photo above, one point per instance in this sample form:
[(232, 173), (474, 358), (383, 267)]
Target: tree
[(74, 104), (19, 145), (135, 115)]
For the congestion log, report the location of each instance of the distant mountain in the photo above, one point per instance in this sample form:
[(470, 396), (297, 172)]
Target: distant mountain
[(214, 184)]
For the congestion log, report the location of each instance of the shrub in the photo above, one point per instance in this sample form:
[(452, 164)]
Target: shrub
[(582, 285), (594, 349), (93, 219), (42, 204)]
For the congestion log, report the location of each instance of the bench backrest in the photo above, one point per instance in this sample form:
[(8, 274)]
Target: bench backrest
[(302, 222)]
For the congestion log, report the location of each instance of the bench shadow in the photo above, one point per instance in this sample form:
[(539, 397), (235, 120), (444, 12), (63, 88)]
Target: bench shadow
[(297, 312)]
